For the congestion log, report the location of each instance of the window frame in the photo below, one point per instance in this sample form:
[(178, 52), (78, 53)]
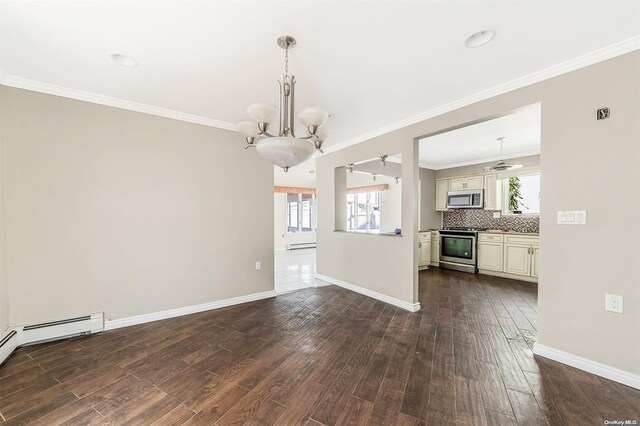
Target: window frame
[(300, 213), (503, 182), (353, 219)]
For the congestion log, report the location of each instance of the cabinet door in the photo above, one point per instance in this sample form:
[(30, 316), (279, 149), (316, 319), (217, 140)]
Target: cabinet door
[(457, 184), (490, 199), (425, 254), (441, 194), (490, 256), (534, 261), (435, 250), (517, 259), (474, 182)]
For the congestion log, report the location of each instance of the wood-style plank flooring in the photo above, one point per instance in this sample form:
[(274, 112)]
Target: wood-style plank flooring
[(321, 356)]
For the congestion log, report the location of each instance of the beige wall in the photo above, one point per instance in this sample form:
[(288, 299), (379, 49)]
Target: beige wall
[(127, 213), (429, 217), (528, 161), (585, 164)]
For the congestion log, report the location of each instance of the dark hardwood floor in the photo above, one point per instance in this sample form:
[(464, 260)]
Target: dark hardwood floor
[(319, 356)]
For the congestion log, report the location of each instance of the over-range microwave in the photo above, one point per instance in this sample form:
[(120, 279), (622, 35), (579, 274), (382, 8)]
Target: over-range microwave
[(467, 199)]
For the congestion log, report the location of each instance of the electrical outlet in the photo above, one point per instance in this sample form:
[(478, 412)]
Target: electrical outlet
[(496, 215), (258, 266), (613, 303)]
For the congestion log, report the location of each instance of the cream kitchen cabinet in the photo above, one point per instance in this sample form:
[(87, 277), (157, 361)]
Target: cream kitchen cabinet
[(435, 248), (469, 182), (490, 192), (442, 187), (424, 243), (521, 255), (509, 255), (490, 249)]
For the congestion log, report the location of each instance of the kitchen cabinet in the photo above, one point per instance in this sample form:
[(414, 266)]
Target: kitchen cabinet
[(508, 255), (442, 187), (424, 243), (469, 182), (521, 255), (490, 192), (435, 248)]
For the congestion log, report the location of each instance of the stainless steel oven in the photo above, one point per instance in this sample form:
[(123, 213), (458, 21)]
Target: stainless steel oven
[(459, 249)]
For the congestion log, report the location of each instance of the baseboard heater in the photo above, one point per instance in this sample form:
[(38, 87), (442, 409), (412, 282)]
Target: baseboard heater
[(52, 330), (47, 331), (298, 246)]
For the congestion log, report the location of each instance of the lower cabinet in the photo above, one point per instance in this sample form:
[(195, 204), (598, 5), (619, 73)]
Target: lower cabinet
[(435, 248), (425, 249), (490, 256), (517, 259), (508, 254)]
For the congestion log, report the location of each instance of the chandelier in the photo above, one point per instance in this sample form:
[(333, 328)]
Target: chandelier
[(284, 149)]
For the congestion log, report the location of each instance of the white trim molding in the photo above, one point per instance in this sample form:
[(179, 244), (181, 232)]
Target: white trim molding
[(80, 95), (611, 51), (411, 307), (178, 312), (602, 370)]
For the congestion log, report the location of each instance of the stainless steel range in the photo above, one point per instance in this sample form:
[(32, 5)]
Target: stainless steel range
[(459, 249)]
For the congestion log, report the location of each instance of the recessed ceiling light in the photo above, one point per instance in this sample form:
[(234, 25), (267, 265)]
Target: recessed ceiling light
[(125, 61), (480, 38)]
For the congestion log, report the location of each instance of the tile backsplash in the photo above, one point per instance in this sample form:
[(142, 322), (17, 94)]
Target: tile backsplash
[(473, 218)]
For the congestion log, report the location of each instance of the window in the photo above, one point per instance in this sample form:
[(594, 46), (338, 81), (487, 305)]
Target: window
[(363, 211), (521, 194), (300, 212)]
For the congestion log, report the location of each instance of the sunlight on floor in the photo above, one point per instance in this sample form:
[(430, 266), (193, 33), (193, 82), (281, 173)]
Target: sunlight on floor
[(295, 269)]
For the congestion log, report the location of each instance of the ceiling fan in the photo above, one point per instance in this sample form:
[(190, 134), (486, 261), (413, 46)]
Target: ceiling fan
[(501, 165)]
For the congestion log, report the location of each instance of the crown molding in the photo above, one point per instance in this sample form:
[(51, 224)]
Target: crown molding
[(611, 51), (519, 154), (51, 89)]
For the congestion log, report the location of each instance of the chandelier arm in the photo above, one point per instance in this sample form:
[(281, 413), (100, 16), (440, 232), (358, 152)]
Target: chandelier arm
[(282, 107), (292, 120), (266, 134)]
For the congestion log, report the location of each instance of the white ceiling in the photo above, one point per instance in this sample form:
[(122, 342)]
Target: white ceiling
[(371, 64), (477, 143)]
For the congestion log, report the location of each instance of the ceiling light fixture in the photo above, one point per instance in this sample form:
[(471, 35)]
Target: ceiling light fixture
[(480, 38), (350, 167), (501, 165), (284, 149), (125, 61), (383, 160)]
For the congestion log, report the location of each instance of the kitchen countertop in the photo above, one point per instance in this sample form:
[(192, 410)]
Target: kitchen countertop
[(500, 232), (497, 231)]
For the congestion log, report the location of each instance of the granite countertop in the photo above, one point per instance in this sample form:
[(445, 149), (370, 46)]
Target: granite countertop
[(500, 232)]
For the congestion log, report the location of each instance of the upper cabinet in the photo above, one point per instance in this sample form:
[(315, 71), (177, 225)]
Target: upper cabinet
[(490, 189), (442, 186), (469, 182), (483, 181)]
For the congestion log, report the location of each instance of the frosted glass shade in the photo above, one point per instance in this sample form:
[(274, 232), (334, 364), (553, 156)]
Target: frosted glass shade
[(248, 129), (322, 133), (285, 151), (262, 113), (313, 116)]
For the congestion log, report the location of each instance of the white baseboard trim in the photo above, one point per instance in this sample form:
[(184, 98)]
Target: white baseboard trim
[(593, 367), (177, 312), (411, 307)]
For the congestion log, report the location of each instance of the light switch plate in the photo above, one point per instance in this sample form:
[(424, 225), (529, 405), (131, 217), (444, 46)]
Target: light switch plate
[(572, 217), (258, 266), (613, 303), (496, 215)]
